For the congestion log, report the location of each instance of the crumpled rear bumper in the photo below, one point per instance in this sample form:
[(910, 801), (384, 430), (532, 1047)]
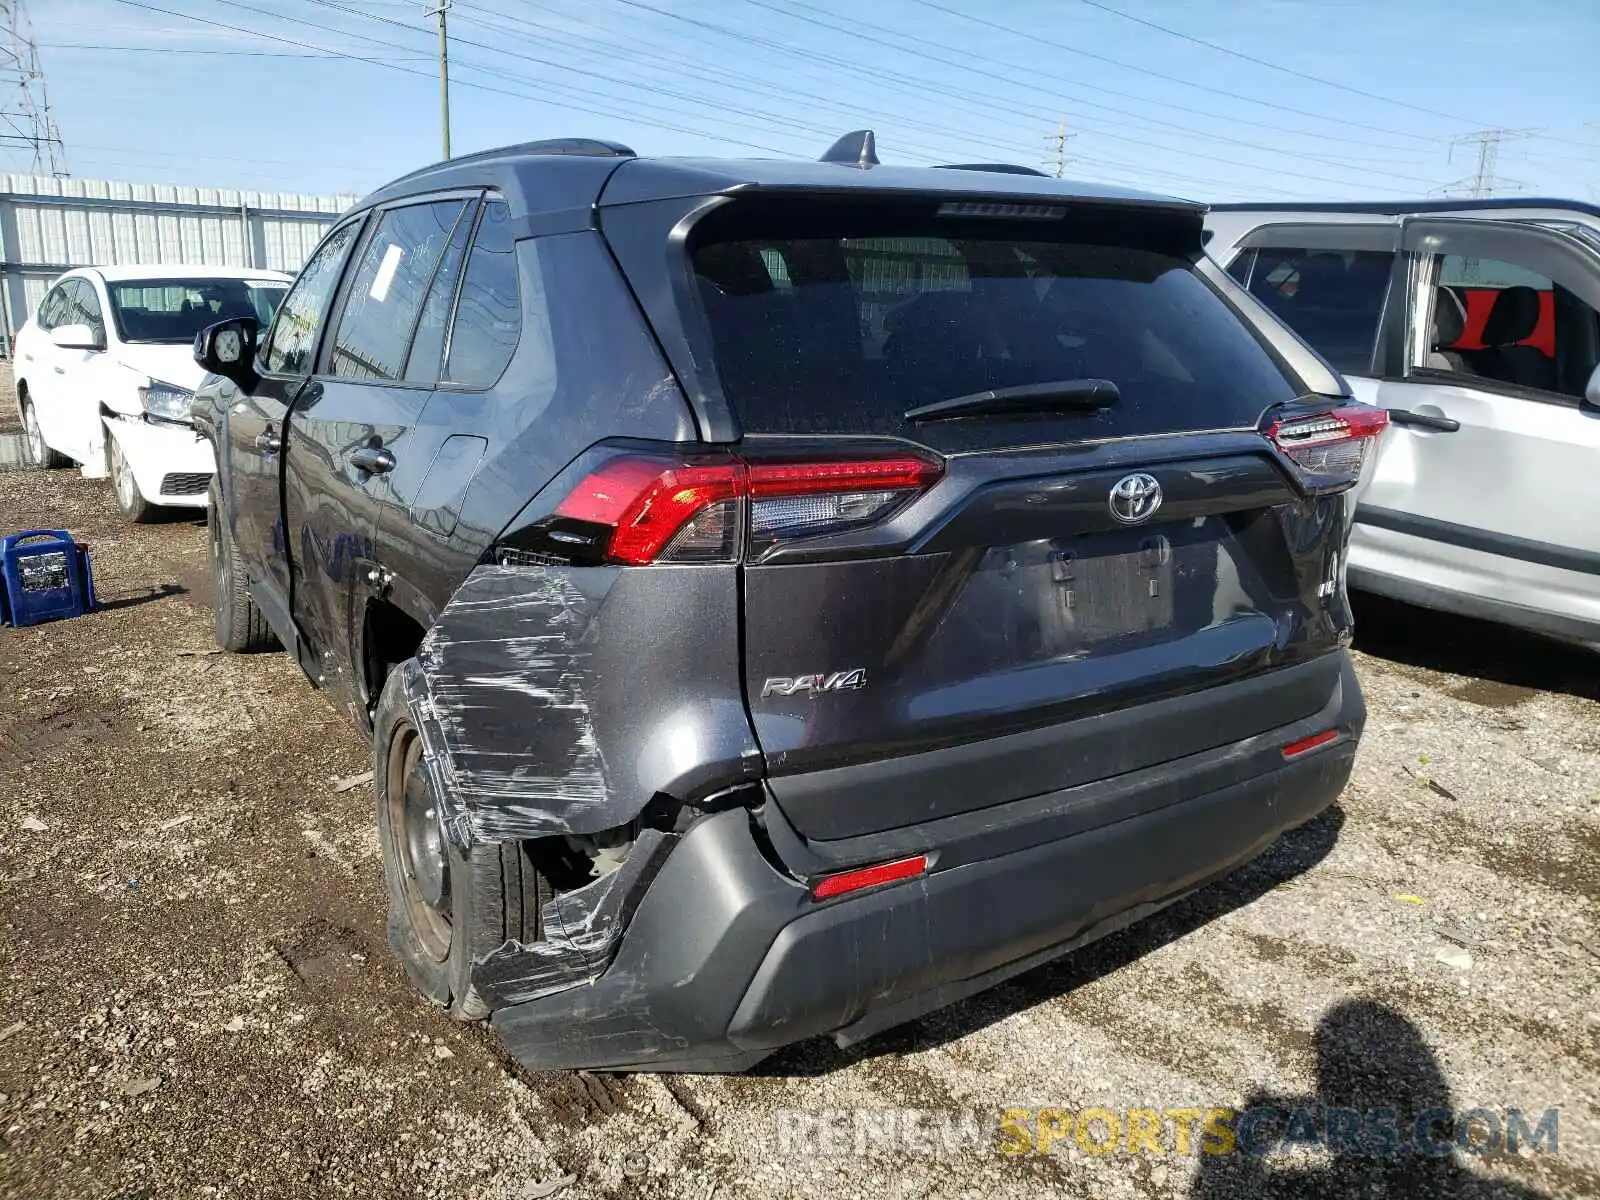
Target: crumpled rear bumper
[(726, 957)]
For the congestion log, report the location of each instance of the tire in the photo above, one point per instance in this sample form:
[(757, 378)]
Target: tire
[(447, 906), (125, 487), (240, 626), (39, 452)]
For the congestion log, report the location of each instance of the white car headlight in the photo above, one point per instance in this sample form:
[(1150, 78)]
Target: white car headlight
[(166, 401)]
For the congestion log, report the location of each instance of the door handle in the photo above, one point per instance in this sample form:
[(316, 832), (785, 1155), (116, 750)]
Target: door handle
[(27, 358), (1404, 416), (60, 370), (374, 460), (269, 442)]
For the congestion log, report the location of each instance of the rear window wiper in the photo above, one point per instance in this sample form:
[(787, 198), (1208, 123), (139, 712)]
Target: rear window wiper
[(1064, 395)]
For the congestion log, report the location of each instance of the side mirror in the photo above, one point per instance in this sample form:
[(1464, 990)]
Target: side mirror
[(1591, 392), (77, 337), (228, 348)]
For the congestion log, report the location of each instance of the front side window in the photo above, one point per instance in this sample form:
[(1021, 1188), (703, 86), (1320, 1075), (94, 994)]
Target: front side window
[(488, 314), (293, 340), (1331, 298), (172, 311), (387, 290), (1492, 319)]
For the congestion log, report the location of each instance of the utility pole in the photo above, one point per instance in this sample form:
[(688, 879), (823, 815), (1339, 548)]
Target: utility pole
[(25, 120), (1484, 182), (1059, 140), (444, 72)]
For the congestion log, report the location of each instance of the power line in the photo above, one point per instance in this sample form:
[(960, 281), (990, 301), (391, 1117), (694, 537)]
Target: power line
[(1127, 66), (949, 95), (1262, 62), (474, 84), (200, 50), (965, 65)]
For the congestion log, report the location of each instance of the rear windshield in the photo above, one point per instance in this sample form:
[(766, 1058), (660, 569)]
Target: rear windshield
[(839, 321), (174, 310)]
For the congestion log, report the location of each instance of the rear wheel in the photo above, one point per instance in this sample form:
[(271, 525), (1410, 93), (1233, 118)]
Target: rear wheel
[(447, 906), (129, 498), (39, 453), (240, 626)]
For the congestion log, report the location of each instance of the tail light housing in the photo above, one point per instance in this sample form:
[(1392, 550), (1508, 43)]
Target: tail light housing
[(636, 510), (1330, 447)]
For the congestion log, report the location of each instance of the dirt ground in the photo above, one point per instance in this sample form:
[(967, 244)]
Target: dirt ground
[(196, 998)]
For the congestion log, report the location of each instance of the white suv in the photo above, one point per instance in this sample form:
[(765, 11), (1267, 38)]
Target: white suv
[(1477, 325), (105, 371)]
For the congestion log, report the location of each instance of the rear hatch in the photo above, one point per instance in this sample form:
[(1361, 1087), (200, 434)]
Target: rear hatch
[(1009, 477)]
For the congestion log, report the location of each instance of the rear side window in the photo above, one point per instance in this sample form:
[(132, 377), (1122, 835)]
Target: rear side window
[(386, 294), (488, 314), (427, 346), (841, 321), (1331, 298)]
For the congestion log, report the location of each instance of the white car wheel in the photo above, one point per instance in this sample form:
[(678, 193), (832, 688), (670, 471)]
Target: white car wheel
[(129, 499), (39, 453)]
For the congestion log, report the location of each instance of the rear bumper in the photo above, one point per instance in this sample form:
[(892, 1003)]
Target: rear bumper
[(726, 957)]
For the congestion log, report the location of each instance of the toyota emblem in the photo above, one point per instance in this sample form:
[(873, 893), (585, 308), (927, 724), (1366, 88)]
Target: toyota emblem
[(1135, 498)]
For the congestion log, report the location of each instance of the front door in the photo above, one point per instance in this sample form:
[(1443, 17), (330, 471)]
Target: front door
[(352, 429), (1488, 479), (252, 465)]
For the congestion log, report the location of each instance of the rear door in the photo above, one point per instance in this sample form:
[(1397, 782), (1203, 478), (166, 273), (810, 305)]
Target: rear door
[(252, 461), (352, 427), (1488, 418), (1137, 539)]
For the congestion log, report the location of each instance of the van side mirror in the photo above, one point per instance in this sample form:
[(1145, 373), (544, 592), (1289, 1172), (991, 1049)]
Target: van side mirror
[(77, 337), (228, 348)]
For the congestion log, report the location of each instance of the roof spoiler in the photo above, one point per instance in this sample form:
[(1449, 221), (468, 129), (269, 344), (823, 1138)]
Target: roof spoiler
[(857, 149)]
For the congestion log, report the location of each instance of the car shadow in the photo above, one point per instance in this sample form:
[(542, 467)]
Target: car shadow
[(1296, 852), (149, 595), (1383, 1110), (1508, 664)]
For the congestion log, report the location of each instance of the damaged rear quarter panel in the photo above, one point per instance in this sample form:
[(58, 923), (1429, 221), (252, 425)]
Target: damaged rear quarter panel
[(556, 699)]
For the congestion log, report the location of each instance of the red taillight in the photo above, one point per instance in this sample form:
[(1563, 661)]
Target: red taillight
[(696, 513), (1331, 443), (1305, 745), (866, 877)]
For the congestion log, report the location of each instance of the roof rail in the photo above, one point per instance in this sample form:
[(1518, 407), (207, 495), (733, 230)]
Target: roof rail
[(594, 147), (857, 149), (998, 168)]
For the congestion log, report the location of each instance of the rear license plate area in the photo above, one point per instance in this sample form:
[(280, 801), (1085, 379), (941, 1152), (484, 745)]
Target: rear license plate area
[(1111, 586)]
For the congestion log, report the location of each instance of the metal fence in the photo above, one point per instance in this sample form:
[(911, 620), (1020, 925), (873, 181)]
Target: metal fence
[(48, 225)]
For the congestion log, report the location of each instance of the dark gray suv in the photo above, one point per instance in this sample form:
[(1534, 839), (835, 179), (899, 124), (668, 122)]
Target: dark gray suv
[(786, 597)]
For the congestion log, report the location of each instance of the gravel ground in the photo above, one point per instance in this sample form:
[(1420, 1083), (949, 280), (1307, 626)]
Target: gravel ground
[(196, 999)]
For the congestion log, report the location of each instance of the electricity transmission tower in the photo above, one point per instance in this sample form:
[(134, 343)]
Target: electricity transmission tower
[(1484, 182), (26, 127)]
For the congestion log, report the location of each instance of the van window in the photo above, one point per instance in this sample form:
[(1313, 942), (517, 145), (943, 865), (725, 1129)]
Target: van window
[(1331, 298)]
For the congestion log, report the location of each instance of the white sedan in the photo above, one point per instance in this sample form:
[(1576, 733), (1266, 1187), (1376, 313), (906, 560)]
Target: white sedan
[(105, 371)]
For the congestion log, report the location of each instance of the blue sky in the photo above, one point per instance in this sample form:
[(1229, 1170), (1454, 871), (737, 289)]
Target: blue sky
[(347, 97)]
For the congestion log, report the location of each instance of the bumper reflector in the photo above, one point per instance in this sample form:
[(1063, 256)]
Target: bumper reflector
[(1305, 745), (867, 877)]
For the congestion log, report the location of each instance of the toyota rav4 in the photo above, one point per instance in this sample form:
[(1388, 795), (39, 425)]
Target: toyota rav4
[(786, 597)]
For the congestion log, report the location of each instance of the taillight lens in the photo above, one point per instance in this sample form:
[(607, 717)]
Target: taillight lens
[(1331, 444), (672, 512)]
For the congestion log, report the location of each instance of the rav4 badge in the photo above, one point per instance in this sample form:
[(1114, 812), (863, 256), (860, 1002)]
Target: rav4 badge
[(815, 685)]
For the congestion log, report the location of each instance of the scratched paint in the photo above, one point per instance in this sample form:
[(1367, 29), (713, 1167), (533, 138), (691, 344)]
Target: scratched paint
[(559, 700)]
